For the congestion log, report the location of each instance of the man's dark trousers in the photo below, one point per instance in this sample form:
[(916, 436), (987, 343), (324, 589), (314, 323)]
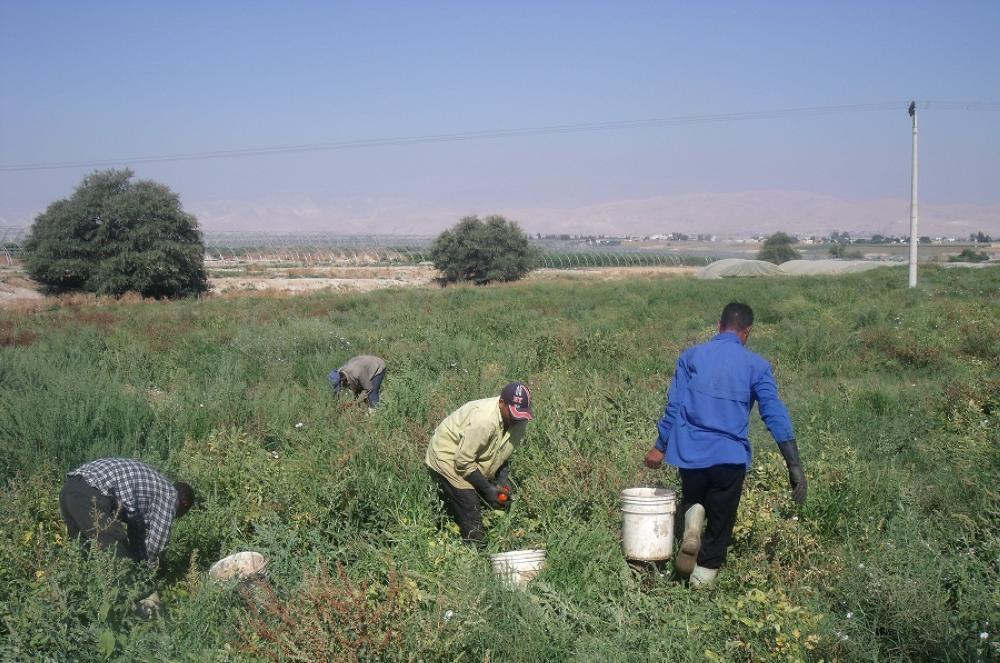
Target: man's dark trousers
[(89, 514), (463, 507), (373, 395), (718, 489)]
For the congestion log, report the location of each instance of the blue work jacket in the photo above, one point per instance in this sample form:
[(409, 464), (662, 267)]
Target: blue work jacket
[(707, 420)]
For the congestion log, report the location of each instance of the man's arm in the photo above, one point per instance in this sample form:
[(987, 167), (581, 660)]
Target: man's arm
[(158, 521), (675, 397), (775, 416), (475, 441), (678, 387), (772, 410)]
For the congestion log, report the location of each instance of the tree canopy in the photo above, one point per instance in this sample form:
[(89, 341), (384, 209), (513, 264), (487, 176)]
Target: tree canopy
[(778, 248), (113, 236), (482, 251)]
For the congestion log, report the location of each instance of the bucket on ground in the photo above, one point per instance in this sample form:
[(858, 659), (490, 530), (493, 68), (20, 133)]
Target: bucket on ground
[(518, 567), (648, 523), (241, 565)]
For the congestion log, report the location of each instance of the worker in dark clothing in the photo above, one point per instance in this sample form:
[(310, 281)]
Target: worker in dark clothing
[(704, 432), (363, 375), (127, 506)]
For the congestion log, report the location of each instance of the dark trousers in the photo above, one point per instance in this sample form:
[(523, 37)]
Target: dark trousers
[(89, 514), (718, 489), (463, 507), (376, 388)]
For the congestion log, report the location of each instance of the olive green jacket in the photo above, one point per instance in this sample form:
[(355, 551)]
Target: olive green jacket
[(472, 438)]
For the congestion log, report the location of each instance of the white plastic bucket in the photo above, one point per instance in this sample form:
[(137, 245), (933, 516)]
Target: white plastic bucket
[(648, 523), (241, 565), (518, 567)]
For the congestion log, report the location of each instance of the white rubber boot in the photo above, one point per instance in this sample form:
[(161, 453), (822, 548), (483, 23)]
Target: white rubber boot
[(702, 578), (694, 525)]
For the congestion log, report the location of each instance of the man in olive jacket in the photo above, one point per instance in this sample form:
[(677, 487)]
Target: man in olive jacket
[(469, 456)]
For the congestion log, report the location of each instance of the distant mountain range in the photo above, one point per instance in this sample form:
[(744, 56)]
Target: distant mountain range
[(717, 213), (724, 214)]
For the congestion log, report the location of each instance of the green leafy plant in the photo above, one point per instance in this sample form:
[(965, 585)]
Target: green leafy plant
[(777, 248), (892, 391), (483, 251), (114, 236), (970, 255)]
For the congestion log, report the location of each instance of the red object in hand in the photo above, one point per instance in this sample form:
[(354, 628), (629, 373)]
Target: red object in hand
[(504, 494)]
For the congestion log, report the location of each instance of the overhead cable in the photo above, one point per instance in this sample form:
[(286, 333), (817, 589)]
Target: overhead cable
[(547, 130)]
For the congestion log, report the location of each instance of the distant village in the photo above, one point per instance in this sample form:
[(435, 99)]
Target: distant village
[(835, 237)]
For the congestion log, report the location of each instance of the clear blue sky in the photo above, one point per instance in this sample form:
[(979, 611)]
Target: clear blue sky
[(83, 81)]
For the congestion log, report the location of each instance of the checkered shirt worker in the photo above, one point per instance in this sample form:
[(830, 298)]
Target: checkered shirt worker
[(127, 506)]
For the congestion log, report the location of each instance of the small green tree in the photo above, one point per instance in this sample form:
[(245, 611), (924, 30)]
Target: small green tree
[(113, 236), (778, 249), (482, 251), (970, 255)]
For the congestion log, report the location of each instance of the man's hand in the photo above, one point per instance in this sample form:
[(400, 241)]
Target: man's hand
[(798, 480), (796, 476), (503, 496), (654, 459), (486, 490), (503, 474), (491, 495)]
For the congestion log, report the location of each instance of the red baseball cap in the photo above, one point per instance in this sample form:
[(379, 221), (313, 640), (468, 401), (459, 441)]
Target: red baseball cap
[(518, 397)]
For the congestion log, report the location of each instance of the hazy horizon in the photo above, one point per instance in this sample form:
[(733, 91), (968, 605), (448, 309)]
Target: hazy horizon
[(159, 81)]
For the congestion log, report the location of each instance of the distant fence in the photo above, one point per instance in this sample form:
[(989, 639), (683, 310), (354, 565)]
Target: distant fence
[(411, 250), (301, 255), (222, 248), (583, 259)]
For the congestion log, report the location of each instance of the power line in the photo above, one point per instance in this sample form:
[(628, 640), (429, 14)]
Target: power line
[(547, 130)]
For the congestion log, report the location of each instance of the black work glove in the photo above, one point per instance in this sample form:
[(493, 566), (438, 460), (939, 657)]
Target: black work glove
[(486, 490), (796, 477), (503, 476)]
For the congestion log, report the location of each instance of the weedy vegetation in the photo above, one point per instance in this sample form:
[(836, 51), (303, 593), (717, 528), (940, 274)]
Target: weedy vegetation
[(895, 395)]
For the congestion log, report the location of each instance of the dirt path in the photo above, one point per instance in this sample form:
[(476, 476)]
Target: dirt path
[(346, 279), (14, 288), (19, 292)]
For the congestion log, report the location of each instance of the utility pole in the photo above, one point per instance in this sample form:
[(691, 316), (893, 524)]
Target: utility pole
[(913, 201)]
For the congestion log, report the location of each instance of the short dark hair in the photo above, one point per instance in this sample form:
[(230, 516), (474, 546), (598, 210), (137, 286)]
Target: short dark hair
[(736, 316), (185, 496)]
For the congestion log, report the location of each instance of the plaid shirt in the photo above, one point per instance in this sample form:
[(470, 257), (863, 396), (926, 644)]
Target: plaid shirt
[(148, 499)]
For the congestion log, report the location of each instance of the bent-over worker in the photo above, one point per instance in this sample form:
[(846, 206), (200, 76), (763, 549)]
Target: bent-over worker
[(127, 506), (469, 456), (704, 432), (363, 376)]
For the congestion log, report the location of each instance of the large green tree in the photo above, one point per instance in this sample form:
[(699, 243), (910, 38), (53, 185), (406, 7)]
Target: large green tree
[(777, 248), (483, 250), (113, 236)]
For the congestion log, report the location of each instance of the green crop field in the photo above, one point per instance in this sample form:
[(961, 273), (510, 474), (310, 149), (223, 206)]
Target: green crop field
[(895, 395)]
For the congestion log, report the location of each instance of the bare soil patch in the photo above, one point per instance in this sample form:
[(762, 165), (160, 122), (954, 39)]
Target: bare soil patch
[(311, 279), (17, 292), (14, 288)]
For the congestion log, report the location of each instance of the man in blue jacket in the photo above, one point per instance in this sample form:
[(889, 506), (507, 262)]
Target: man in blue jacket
[(704, 432)]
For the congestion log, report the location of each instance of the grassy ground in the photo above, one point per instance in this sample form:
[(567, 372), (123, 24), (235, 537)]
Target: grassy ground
[(894, 394)]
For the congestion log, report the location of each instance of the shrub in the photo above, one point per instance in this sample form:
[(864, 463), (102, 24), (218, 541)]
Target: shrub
[(778, 249), (113, 236), (969, 255), (841, 251), (482, 251), (330, 619)]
